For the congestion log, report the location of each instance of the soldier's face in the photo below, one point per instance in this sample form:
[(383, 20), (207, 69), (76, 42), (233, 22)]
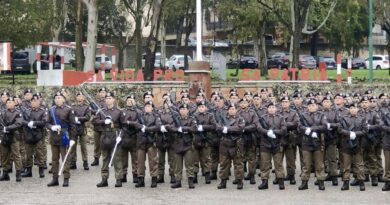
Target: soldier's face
[(202, 108), (285, 104), (257, 101), (130, 102), (327, 104), (28, 96), (199, 98), (10, 104), (365, 104), (148, 108), (232, 111), (183, 112), (35, 103), (109, 101), (248, 97), (353, 111), (298, 101), (244, 104), (319, 98), (4, 98), (148, 98), (219, 103), (272, 99), (312, 107), (102, 94), (80, 98), (271, 109), (59, 100), (339, 100), (373, 103), (234, 99)]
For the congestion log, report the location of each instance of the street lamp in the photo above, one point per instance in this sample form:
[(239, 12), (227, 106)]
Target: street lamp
[(199, 30)]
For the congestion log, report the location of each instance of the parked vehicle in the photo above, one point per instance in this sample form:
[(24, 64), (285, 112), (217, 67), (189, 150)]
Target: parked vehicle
[(216, 43), (107, 64), (248, 61), (379, 62), (20, 62), (329, 61), (278, 60), (157, 61), (357, 63), (307, 61), (176, 62), (45, 63)]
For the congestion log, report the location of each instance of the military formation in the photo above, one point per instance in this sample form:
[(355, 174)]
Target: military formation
[(333, 135)]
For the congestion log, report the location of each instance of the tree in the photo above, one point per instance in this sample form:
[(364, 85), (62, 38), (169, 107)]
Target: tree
[(89, 64), (382, 17)]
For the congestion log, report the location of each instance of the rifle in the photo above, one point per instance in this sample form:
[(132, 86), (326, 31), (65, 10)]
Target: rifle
[(147, 134), (178, 123), (26, 113), (92, 102), (344, 124), (303, 120), (385, 118), (266, 126), (227, 123), (371, 136), (165, 138)]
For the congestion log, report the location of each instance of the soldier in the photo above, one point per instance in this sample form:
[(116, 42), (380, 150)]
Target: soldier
[(98, 130), (251, 122), (386, 148), (203, 138), (231, 148), (289, 143), (61, 124), (165, 140), (300, 108), (43, 146), (109, 120), (34, 136), (148, 124), (11, 123), (129, 121), (82, 113), (370, 140), (351, 133), (4, 96), (331, 139), (312, 126), (184, 128)]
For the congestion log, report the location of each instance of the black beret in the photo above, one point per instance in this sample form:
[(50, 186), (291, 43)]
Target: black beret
[(201, 103), (368, 92), (214, 93), (340, 95), (185, 96), (35, 97), (309, 95), (328, 97), (271, 95), (356, 95), (242, 100), (110, 94), (285, 98), (183, 106), (131, 97), (166, 95), (352, 105), (5, 93), (256, 95), (183, 91), (231, 105), (233, 90), (10, 99), (312, 101), (148, 93), (28, 90), (233, 94), (248, 93), (297, 95), (200, 95), (103, 89), (365, 98), (271, 104), (319, 93), (59, 94), (382, 95)]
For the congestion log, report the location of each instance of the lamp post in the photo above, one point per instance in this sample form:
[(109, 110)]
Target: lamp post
[(199, 30)]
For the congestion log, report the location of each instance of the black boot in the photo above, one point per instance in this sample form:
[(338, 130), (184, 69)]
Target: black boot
[(355, 182), (154, 182), (140, 183), (207, 178), (380, 178), (191, 182), (263, 185), (18, 176), (292, 180), (222, 185), (281, 183), (118, 183), (176, 185), (361, 185), (367, 179), (345, 185), (240, 184), (275, 181), (316, 182), (335, 181), (328, 178), (66, 182), (321, 185), (73, 165), (135, 178), (103, 183), (160, 179), (54, 182), (235, 181), (173, 180), (303, 185), (95, 162), (213, 175), (5, 176), (41, 172), (195, 180), (374, 181), (252, 179), (28, 172), (85, 165), (124, 178), (386, 187), (247, 177)]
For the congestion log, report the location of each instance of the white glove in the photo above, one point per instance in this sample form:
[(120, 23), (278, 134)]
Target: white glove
[(328, 126), (180, 129), (225, 130), (55, 128), (30, 124), (314, 135), (71, 143), (143, 128), (76, 119), (200, 128), (308, 131), (270, 133), (368, 126), (107, 121), (118, 139), (5, 130), (163, 129), (352, 136)]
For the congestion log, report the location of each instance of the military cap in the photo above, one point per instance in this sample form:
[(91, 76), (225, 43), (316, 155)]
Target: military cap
[(248, 93), (185, 96), (312, 101), (5, 93), (110, 94), (79, 93), (183, 106), (310, 95), (242, 100), (285, 98), (103, 89), (297, 95), (201, 103), (382, 95), (148, 93), (368, 92), (130, 97), (35, 97), (233, 90), (28, 90), (328, 97), (233, 94), (231, 105), (271, 104), (365, 98), (10, 99), (352, 105), (58, 93)]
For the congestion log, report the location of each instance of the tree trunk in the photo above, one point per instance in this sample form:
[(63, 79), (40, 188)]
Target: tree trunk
[(296, 47), (179, 34), (138, 35), (256, 52), (79, 35), (314, 43), (263, 51), (121, 49), (89, 64)]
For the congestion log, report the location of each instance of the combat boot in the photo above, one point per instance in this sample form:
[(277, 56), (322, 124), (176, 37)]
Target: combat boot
[(345, 185), (361, 185), (355, 182), (41, 172), (207, 178), (252, 179), (335, 181), (135, 178), (222, 185), (140, 183), (367, 179), (191, 182), (154, 182), (85, 165), (73, 165), (374, 181), (321, 185), (235, 181), (124, 178), (195, 180), (281, 183), (386, 187), (118, 183), (213, 175), (5, 176), (27, 172), (173, 180), (18, 176), (380, 178), (263, 185), (95, 162), (54, 182), (303, 186), (66, 182), (240, 184), (176, 185), (103, 183), (160, 179)]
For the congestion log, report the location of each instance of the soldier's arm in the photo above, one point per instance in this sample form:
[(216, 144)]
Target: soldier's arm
[(293, 124), (377, 122), (321, 127), (237, 127), (155, 125), (253, 126), (18, 122), (86, 117), (50, 121), (211, 125), (282, 128), (41, 123), (98, 119), (191, 127)]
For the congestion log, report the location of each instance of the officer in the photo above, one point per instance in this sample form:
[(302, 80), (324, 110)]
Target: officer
[(97, 130)]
